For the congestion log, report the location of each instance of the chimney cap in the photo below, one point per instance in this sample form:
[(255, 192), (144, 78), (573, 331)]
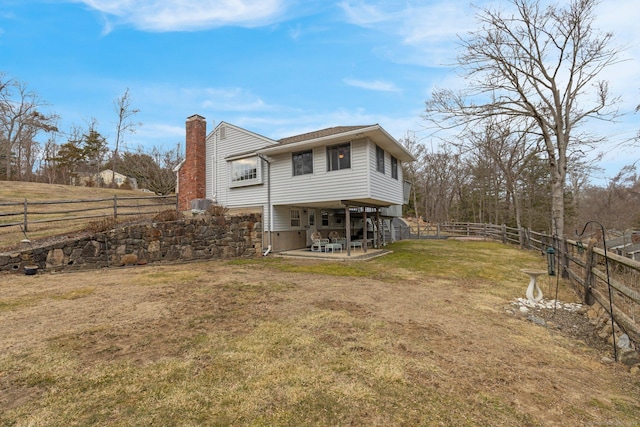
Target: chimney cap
[(195, 117)]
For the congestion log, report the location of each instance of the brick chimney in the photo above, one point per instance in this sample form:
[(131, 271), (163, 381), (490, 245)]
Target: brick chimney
[(192, 175)]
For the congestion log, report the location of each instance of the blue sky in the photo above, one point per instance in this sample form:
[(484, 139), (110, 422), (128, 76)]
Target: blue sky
[(275, 67)]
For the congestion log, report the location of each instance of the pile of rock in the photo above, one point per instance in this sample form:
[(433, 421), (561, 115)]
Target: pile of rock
[(525, 305), (601, 321)]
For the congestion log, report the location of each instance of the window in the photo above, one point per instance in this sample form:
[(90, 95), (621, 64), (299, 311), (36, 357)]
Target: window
[(379, 159), (302, 162), (245, 172), (339, 157), (312, 218), (325, 218), (394, 168), (223, 132), (295, 217)]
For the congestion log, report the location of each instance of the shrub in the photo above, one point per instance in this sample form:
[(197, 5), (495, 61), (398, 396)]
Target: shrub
[(101, 225), (217, 210), (168, 215)]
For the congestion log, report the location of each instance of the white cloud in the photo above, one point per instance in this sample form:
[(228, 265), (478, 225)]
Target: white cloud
[(378, 85), (232, 99), (187, 15), (427, 30)]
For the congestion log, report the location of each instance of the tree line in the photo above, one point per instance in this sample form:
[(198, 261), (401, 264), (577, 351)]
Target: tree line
[(514, 149), (34, 148)]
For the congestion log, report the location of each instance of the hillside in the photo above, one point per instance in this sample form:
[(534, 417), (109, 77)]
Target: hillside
[(14, 192)]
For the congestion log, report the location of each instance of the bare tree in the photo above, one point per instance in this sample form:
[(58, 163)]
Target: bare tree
[(539, 63), (153, 171), (511, 148), (443, 177), (20, 122), (412, 170), (122, 107)]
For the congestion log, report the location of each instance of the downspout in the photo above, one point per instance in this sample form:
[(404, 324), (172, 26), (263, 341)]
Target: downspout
[(269, 247)]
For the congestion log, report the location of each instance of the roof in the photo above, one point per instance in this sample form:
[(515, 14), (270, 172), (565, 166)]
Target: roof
[(340, 134), (321, 133)]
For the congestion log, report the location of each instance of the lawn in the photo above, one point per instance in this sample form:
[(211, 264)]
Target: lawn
[(417, 337)]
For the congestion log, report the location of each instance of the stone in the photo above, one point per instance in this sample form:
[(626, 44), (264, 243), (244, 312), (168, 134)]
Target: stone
[(129, 259), (607, 359), (628, 357), (623, 342), (605, 331), (55, 257), (537, 320), (635, 370)]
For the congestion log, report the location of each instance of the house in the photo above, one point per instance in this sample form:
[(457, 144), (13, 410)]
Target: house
[(343, 180), (626, 244), (107, 176)]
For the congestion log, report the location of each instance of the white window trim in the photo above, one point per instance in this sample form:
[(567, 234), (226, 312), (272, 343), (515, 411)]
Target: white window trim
[(293, 171), (333, 146), (244, 183), (380, 150), (292, 216), (394, 171)]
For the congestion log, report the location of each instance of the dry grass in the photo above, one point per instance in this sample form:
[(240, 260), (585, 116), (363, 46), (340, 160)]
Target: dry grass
[(419, 337), (11, 191)]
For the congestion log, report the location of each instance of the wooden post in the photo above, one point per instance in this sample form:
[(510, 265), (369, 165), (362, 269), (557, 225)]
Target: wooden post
[(378, 232), (115, 206), (347, 214), (365, 232), (565, 257), (25, 215), (588, 276)]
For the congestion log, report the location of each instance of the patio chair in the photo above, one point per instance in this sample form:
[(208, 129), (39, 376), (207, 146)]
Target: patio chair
[(319, 244)]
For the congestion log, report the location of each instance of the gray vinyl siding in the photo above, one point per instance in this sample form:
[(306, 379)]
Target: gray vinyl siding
[(361, 181), (321, 185), (236, 141), (383, 186), (282, 219)]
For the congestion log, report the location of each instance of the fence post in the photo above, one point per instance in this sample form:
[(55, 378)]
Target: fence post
[(438, 230), (504, 233), (115, 207), (521, 237), (565, 257), (589, 263), (25, 215), (177, 204)]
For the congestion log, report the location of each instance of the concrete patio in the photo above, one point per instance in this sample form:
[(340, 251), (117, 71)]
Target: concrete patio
[(356, 254)]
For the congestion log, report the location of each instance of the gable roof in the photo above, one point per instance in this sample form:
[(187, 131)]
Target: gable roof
[(340, 134), (320, 133)]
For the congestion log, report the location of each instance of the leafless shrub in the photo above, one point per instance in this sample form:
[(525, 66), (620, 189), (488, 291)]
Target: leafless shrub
[(168, 215), (101, 225), (217, 210)]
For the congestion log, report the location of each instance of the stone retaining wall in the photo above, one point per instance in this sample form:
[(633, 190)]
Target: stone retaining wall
[(195, 238)]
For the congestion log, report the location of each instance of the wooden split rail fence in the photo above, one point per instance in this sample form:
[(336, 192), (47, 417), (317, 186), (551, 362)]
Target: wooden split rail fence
[(35, 216)]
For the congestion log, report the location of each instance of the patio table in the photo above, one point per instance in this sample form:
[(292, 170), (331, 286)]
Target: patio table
[(333, 247)]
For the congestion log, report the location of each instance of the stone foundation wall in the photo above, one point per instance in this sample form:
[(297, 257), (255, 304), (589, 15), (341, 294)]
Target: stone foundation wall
[(196, 238)]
